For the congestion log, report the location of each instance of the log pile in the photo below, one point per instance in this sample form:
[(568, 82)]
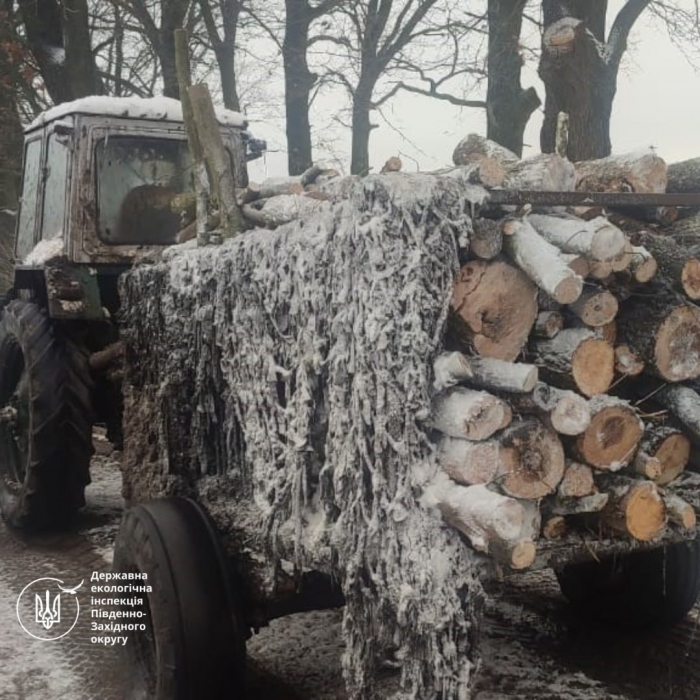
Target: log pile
[(561, 323), (560, 317)]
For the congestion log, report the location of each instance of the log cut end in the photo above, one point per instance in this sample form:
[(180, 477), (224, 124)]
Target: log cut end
[(627, 362), (612, 437), (690, 278), (540, 464), (677, 348), (520, 555), (639, 511), (495, 307), (673, 453), (568, 290), (595, 307), (593, 366)]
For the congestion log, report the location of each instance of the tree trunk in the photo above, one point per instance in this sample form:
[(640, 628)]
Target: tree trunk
[(59, 40), (361, 128), (298, 81), (508, 105), (579, 82)]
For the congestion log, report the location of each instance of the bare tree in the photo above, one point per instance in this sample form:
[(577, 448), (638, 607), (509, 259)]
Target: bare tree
[(224, 43), (579, 67), (158, 20), (416, 46), (509, 105)]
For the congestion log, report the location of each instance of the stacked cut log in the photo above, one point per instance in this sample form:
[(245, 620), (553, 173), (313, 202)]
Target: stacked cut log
[(561, 324)]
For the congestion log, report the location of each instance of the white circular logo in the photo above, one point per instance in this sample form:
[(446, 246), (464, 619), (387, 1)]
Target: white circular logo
[(48, 610)]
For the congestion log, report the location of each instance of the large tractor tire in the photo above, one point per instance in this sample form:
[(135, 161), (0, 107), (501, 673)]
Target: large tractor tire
[(45, 420), (193, 642), (648, 589)]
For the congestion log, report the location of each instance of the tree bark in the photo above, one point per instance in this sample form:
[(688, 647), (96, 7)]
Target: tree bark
[(361, 127), (627, 172), (678, 266), (508, 106), (59, 39), (663, 333), (684, 176), (579, 82), (298, 83)]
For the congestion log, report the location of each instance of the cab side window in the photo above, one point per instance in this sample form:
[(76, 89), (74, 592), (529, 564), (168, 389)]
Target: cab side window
[(55, 188), (28, 207)]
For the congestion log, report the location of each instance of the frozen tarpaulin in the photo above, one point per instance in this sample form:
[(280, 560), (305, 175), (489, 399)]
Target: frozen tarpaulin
[(292, 369)]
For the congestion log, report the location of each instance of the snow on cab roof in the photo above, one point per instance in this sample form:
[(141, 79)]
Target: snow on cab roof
[(155, 108)]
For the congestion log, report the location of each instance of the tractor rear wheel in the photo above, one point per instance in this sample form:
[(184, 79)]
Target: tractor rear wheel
[(45, 420), (190, 642)]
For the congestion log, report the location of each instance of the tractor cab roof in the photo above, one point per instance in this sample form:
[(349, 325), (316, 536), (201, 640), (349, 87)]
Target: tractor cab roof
[(151, 108)]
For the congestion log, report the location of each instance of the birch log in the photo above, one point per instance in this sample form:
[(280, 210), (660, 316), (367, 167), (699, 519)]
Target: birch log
[(498, 525), (546, 172), (680, 512), (486, 239), (577, 481), (484, 372), (468, 462), (474, 415), (541, 261), (643, 264), (627, 363), (597, 239), (548, 324)]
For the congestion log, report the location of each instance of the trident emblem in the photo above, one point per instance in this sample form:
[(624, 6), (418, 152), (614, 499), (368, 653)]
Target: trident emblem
[(48, 615)]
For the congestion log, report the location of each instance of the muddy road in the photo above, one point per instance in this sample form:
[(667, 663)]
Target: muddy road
[(533, 648)]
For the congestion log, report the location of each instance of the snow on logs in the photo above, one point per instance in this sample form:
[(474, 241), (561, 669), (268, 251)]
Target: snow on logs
[(550, 310), (547, 310)]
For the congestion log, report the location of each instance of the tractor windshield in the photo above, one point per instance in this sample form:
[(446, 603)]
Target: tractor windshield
[(138, 180)]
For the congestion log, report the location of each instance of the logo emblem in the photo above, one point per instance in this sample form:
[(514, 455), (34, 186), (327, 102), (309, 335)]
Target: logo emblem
[(55, 611)]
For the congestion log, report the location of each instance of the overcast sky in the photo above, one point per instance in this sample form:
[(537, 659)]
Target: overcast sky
[(657, 104)]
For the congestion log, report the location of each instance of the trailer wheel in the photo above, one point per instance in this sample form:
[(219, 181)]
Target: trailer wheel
[(646, 589), (193, 644), (45, 420)]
